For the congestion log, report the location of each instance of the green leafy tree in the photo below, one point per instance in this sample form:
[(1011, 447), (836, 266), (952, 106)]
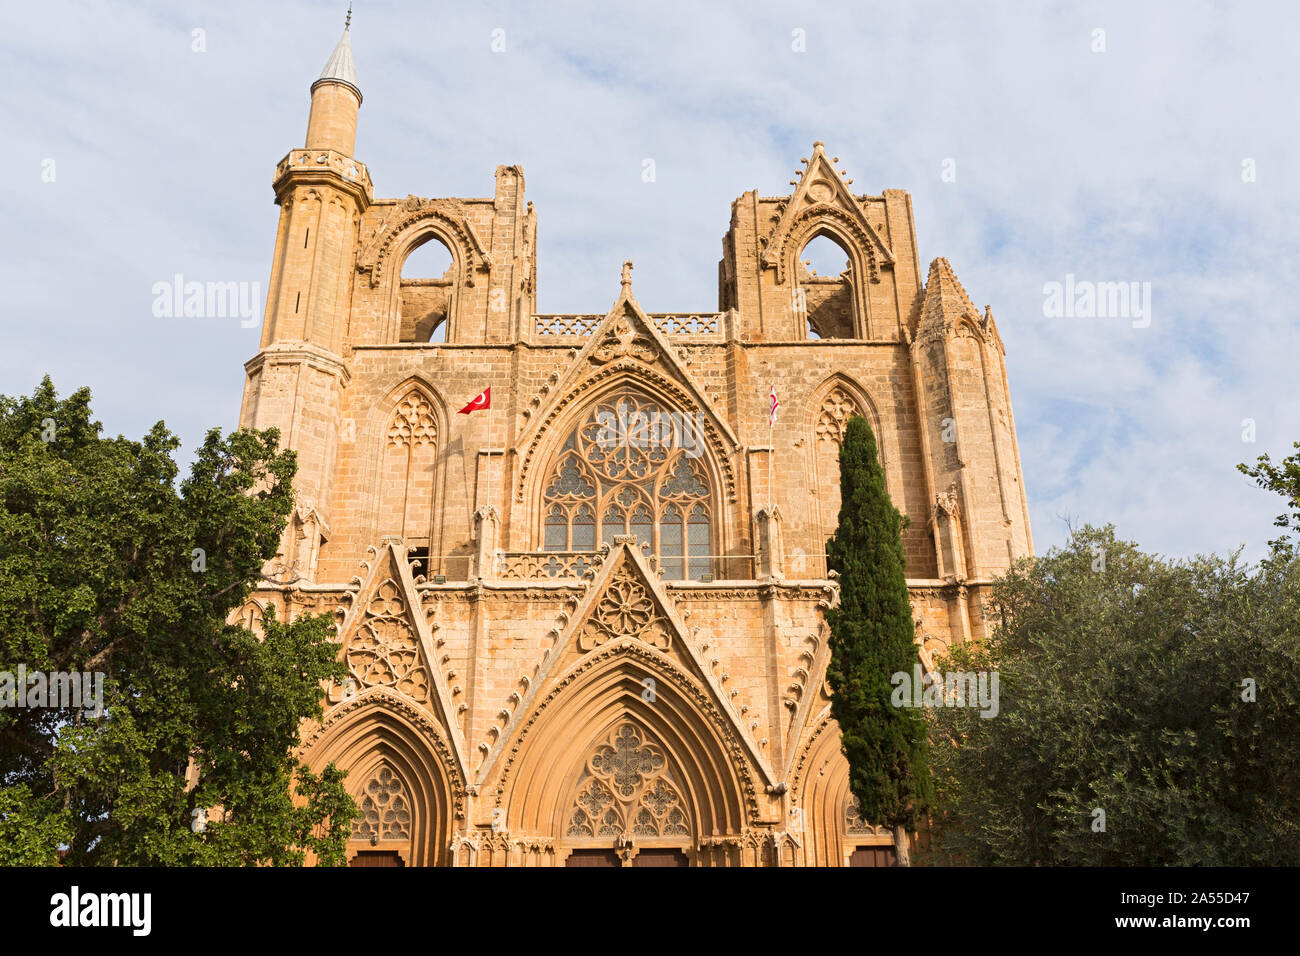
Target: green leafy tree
[(872, 638), (107, 566), (1283, 479), (1148, 714)]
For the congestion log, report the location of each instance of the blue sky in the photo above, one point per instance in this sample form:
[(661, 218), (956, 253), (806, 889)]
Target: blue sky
[(1122, 165)]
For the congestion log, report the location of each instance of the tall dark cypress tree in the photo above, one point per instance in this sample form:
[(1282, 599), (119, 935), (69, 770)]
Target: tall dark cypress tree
[(872, 637)]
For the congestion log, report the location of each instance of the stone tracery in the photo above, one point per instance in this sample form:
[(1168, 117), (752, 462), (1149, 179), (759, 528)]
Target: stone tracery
[(409, 465), (853, 822), (384, 651), (630, 467), (626, 609), (625, 790), (413, 422), (833, 418), (385, 809)]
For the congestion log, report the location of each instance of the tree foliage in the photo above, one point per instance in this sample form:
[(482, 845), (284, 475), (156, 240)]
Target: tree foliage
[(872, 638), (1162, 694), (107, 566), (1283, 479)]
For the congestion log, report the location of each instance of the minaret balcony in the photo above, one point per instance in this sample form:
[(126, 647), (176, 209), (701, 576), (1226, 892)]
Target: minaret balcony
[(334, 164)]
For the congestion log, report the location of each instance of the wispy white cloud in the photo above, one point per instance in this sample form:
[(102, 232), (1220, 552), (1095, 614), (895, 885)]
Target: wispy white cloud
[(1115, 166)]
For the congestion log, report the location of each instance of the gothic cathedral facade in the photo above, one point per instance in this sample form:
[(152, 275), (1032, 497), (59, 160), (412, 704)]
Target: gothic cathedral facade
[(584, 622)]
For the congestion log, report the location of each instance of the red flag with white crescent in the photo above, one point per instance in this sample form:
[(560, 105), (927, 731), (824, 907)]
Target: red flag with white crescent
[(481, 401), (775, 404)]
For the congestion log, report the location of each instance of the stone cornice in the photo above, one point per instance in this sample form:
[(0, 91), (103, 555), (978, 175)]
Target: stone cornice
[(323, 167), (304, 352)]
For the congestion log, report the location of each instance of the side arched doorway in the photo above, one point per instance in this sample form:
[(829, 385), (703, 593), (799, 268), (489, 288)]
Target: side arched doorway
[(397, 773)]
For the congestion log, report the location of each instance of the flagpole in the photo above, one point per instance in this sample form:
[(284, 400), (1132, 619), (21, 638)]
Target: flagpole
[(771, 461), (491, 489), (772, 404)]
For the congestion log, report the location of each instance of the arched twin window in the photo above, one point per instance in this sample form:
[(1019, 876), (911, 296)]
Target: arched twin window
[(406, 490), (631, 467)]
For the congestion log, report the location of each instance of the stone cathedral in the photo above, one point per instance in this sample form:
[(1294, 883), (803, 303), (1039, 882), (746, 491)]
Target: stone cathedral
[(583, 621)]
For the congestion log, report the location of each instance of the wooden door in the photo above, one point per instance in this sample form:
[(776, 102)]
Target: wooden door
[(661, 857), (593, 858), (874, 856), (377, 858)]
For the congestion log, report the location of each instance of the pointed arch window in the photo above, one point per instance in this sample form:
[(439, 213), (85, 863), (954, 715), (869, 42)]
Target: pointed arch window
[(837, 406), (408, 470), (427, 299), (832, 421), (632, 468)]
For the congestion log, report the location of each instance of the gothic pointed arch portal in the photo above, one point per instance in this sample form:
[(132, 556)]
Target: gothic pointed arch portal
[(624, 754), (400, 772), (831, 823)]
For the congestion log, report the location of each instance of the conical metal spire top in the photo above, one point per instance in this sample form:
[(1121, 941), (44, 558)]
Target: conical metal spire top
[(339, 68)]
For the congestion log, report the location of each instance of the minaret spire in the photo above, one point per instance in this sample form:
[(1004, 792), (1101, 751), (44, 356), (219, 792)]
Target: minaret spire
[(340, 68), (335, 99)]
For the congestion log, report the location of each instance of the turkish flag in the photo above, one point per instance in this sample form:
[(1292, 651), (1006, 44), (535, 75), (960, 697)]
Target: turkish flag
[(482, 400)]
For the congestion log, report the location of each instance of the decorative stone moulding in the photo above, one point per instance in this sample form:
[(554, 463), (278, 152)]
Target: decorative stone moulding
[(316, 159)]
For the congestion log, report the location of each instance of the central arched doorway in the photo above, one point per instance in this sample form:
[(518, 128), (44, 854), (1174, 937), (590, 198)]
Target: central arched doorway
[(632, 758), (628, 793)]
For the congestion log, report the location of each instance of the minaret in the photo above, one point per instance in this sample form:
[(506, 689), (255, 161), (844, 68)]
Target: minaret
[(335, 100), (296, 381)]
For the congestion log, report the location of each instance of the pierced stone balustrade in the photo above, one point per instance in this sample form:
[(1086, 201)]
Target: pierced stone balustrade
[(547, 565)]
